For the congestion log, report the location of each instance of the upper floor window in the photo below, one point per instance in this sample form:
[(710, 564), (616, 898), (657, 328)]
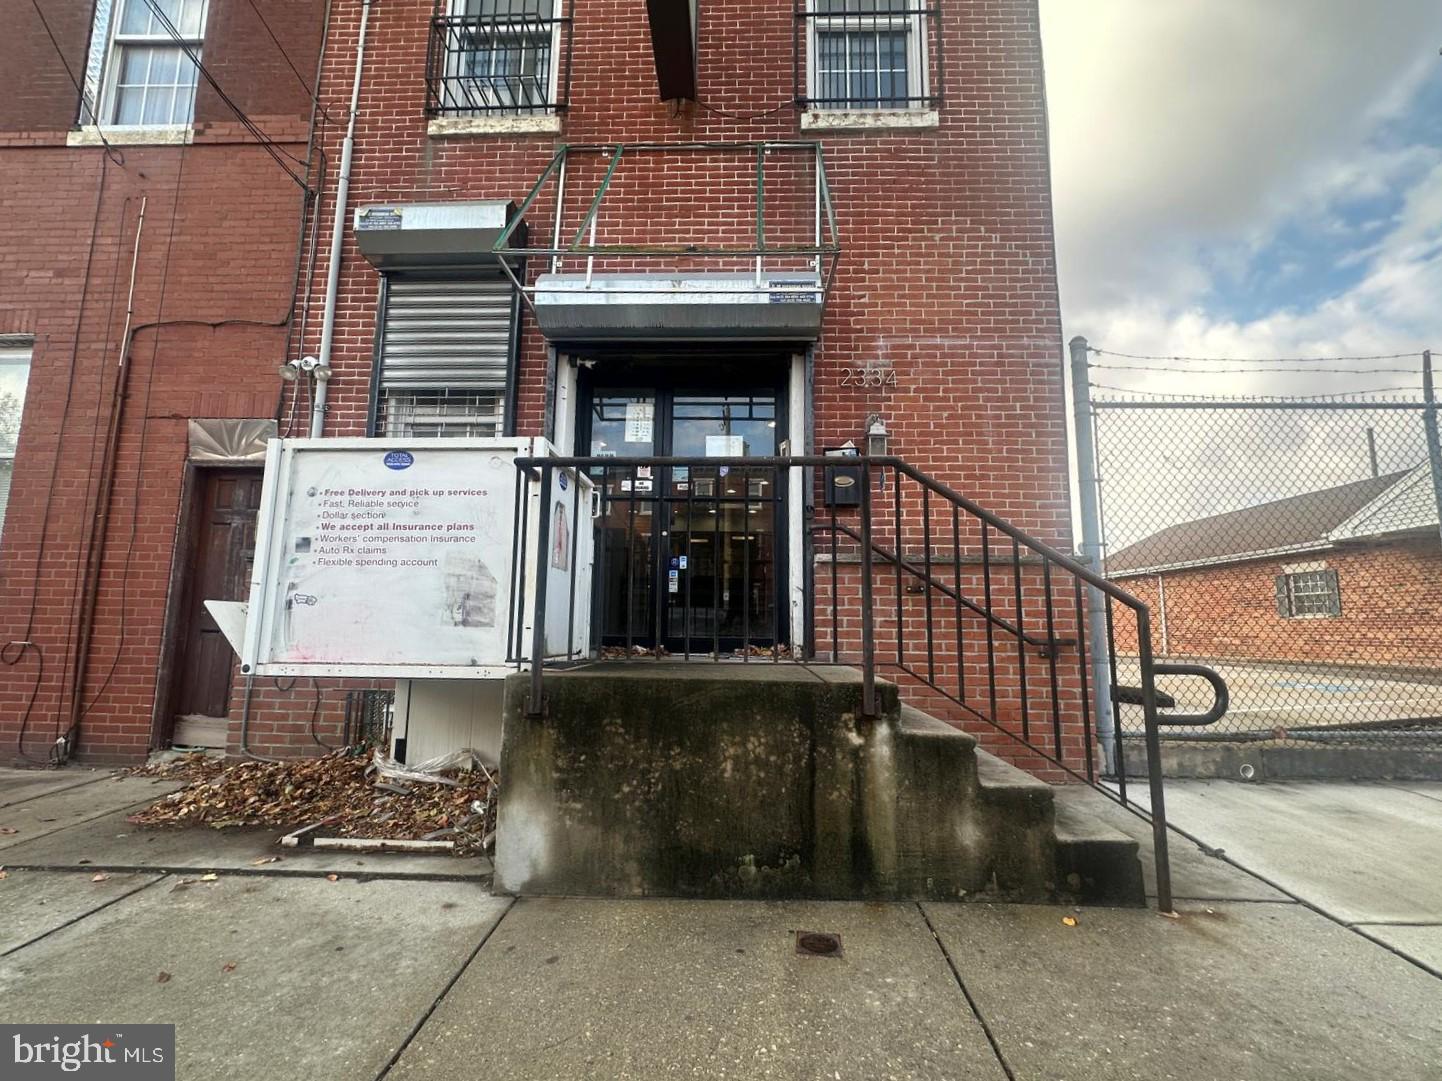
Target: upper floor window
[(497, 57), (14, 375), (868, 54), (140, 72)]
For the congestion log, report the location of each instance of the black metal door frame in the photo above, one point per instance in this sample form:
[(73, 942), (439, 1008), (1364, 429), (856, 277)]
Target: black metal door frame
[(665, 384)]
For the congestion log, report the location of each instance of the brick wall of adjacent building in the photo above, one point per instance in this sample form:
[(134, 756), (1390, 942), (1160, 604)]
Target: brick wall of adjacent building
[(211, 308), (1391, 609)]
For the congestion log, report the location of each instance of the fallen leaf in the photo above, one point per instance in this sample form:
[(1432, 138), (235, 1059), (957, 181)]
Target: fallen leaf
[(99, 877), (211, 877), (4, 874), (264, 860), (8, 830), (229, 966), (332, 878), (1171, 915), (164, 977), (1070, 921)]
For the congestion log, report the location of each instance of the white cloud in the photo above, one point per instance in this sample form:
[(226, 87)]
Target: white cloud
[(1187, 133)]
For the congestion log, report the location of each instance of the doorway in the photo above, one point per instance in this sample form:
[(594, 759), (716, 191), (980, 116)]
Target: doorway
[(689, 558), (222, 552)]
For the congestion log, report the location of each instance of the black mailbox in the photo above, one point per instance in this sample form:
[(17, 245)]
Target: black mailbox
[(843, 482)]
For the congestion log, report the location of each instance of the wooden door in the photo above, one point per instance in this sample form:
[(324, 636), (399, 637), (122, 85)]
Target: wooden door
[(219, 570)]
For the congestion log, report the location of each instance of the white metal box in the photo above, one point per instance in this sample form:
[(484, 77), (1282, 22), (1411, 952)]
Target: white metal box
[(379, 559)]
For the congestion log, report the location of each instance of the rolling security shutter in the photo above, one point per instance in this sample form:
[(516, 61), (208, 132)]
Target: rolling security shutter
[(446, 333)]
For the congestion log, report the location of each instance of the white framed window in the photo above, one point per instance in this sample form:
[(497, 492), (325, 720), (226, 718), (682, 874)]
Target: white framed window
[(499, 58), (1308, 594), (14, 376), (867, 54), (140, 73)]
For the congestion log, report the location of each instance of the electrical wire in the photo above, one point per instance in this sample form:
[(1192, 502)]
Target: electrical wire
[(110, 152), (1253, 359), (746, 116), (140, 453), (286, 56), (26, 642), (266, 143), (1251, 371), (1222, 398)]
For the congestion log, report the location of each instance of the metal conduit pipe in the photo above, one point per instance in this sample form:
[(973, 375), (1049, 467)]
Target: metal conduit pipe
[(337, 235)]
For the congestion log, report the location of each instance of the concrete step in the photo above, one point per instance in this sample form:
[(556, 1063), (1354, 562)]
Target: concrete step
[(1095, 861), (768, 781)]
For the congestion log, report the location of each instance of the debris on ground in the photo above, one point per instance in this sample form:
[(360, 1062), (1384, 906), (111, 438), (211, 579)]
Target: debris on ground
[(354, 795)]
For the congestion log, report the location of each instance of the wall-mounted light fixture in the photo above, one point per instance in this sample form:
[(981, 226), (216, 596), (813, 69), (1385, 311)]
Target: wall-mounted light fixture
[(877, 437), (291, 369)]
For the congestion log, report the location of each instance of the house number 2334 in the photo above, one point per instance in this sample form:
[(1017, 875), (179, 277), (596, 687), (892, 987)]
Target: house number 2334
[(870, 375)]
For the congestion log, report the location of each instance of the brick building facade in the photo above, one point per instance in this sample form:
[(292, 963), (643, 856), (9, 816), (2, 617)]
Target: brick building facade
[(1343, 576), (941, 320), (214, 267)]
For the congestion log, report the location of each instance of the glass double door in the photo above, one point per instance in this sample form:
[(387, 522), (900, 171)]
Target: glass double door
[(688, 558)]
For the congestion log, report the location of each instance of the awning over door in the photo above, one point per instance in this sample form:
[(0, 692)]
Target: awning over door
[(680, 242)]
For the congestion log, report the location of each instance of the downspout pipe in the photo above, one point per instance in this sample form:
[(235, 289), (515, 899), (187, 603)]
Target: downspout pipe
[(337, 234), (1098, 643)]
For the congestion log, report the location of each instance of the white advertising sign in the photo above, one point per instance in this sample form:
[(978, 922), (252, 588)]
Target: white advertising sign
[(375, 558)]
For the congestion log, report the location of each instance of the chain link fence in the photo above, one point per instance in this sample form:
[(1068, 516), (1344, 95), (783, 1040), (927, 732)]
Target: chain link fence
[(1291, 545)]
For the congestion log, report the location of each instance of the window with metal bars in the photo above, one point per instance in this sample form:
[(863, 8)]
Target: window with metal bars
[(444, 355), (497, 57), (1308, 594), (868, 54)]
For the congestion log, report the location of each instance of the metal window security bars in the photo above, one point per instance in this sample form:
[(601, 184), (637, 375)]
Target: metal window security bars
[(785, 249), (499, 57), (918, 582), (868, 54)]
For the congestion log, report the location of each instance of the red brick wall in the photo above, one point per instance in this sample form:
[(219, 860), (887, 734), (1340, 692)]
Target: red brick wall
[(947, 277), (947, 274), (216, 259), (1391, 610)]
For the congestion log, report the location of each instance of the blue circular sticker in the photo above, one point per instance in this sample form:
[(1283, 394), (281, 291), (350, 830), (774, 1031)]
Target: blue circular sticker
[(399, 459)]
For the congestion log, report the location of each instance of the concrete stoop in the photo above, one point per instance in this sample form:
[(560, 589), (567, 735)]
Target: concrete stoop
[(765, 781)]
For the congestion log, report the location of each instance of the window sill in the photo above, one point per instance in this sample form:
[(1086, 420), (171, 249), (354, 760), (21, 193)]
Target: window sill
[(868, 119), (169, 135), (443, 127)]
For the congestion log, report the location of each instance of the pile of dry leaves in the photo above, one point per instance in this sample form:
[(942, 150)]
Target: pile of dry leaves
[(342, 787)]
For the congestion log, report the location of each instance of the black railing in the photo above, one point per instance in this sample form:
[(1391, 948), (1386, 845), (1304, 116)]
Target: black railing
[(913, 579), (868, 54), (514, 59)]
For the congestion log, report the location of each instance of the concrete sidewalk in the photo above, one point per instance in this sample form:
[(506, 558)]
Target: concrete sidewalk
[(423, 975), (1369, 854)]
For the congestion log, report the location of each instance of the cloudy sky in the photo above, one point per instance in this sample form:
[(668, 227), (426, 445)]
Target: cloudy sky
[(1249, 178)]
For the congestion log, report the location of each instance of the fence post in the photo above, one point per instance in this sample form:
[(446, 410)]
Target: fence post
[(1429, 424), (1098, 646)]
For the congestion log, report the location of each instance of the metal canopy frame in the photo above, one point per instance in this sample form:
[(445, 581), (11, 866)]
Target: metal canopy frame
[(824, 253)]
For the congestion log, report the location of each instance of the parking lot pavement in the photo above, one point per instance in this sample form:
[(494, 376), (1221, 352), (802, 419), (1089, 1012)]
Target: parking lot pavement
[(1269, 696)]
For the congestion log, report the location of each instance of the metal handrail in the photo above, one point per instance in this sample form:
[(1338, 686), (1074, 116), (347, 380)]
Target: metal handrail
[(1050, 642)]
